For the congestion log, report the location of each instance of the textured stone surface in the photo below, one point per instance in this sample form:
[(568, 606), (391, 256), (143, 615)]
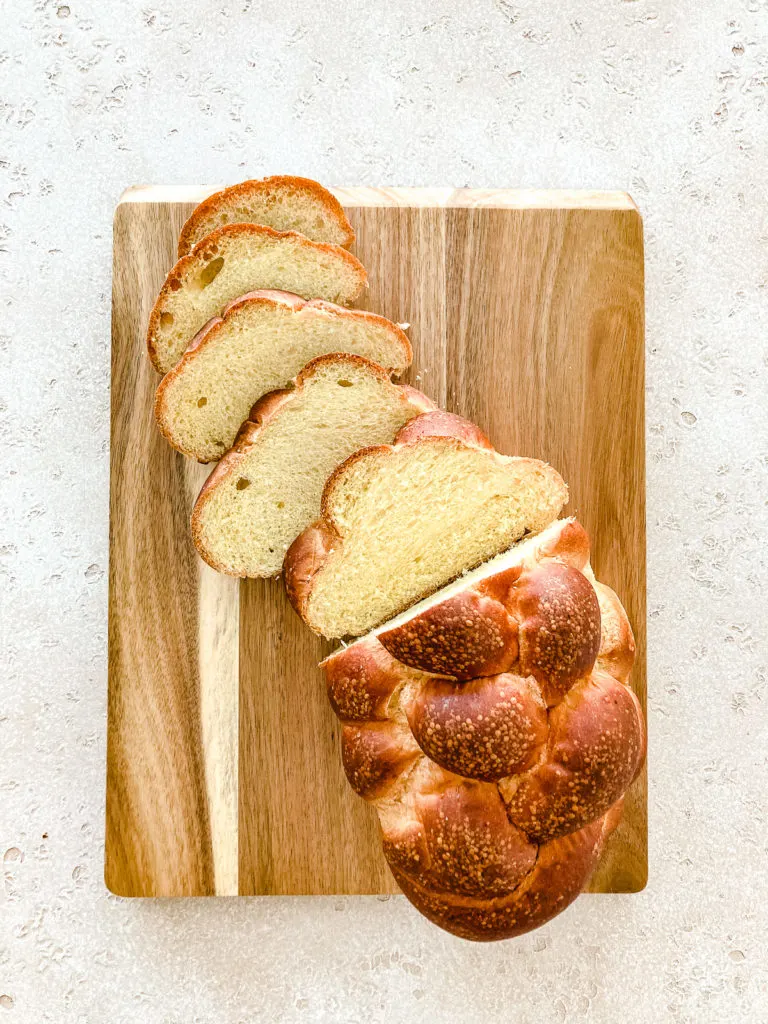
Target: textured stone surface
[(666, 99)]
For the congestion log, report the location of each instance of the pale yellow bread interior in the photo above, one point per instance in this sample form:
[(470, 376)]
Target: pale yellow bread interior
[(268, 489), (237, 259), (259, 346), (414, 517), (282, 202), (524, 553)]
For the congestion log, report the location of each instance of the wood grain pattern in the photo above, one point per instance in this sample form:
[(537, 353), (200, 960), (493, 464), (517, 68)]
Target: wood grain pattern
[(224, 775)]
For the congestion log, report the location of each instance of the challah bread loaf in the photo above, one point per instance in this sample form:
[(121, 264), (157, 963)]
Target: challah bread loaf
[(259, 345), (493, 729), (282, 202), (401, 520), (267, 489), (236, 259)]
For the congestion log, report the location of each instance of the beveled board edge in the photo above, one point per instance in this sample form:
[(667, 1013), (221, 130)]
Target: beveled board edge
[(505, 198)]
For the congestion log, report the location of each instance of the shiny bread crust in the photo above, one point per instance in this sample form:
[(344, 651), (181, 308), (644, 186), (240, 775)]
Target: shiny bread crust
[(496, 735)]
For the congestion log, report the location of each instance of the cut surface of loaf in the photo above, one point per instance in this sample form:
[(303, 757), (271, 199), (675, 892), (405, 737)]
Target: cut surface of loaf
[(267, 489), (261, 343), (493, 730), (401, 521), (237, 259), (282, 202)]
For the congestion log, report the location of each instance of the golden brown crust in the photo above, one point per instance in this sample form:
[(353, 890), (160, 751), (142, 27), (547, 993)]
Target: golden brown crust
[(204, 331), (361, 685), (595, 748), (304, 559), (274, 294), (559, 618), (457, 838), (617, 647), (546, 619), (469, 635), (246, 189), (375, 755), (208, 247), (170, 284), (265, 408), (562, 870), (482, 729), (570, 545), (262, 413), (501, 822)]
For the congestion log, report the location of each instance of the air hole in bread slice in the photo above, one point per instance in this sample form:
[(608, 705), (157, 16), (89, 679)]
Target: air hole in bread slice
[(345, 383), (254, 258), (166, 319), (201, 402), (210, 272), (242, 483)]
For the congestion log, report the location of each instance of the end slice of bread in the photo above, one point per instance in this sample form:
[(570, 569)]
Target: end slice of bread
[(282, 202), (267, 489), (261, 343), (400, 521), (241, 258)]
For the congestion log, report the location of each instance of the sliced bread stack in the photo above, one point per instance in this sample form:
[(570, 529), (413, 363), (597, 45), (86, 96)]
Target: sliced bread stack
[(281, 232), (267, 488), (265, 370), (265, 367), (240, 258), (260, 343)]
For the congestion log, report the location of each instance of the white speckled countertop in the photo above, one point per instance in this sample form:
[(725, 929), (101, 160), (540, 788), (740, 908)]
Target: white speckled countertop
[(665, 98)]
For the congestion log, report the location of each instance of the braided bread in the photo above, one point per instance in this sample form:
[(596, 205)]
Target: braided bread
[(492, 728)]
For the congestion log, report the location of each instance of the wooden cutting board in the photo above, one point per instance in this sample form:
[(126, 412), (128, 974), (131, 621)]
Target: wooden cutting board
[(223, 766)]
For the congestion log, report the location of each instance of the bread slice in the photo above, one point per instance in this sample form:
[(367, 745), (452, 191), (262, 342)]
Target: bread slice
[(400, 521), (240, 258), (281, 202), (267, 489), (261, 344)]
